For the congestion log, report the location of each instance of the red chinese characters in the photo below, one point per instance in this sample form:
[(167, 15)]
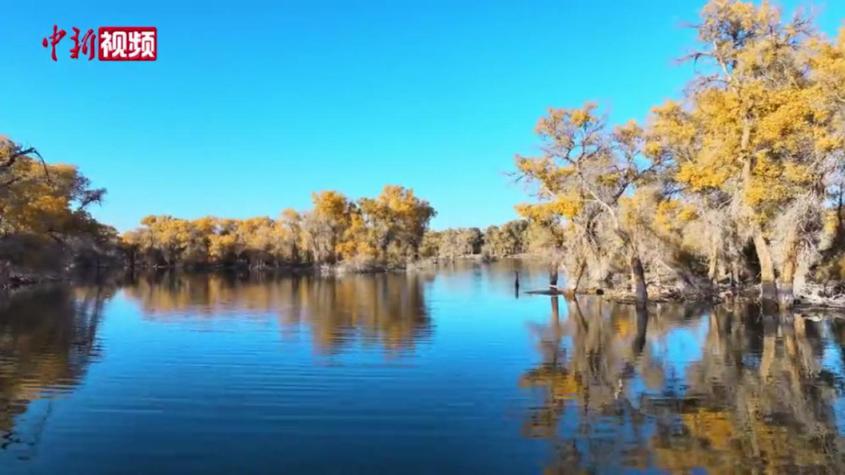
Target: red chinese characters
[(128, 43), (54, 40), (86, 44)]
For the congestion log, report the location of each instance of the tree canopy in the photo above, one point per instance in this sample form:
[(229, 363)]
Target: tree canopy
[(44, 218), (380, 232), (736, 181)]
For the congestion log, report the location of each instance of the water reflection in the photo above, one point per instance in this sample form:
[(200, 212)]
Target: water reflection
[(680, 389), (388, 310), (277, 369), (48, 338)]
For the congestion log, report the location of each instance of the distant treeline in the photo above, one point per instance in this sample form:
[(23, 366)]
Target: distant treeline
[(45, 229), (514, 238), (370, 233), (389, 231)]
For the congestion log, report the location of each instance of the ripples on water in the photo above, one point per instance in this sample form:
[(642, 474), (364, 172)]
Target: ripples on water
[(422, 373)]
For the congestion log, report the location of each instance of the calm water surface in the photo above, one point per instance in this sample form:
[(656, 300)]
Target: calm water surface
[(446, 372)]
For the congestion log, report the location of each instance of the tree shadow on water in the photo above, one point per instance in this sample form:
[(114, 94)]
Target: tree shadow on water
[(676, 389)]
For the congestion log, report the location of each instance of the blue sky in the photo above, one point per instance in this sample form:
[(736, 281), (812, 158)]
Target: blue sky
[(252, 106)]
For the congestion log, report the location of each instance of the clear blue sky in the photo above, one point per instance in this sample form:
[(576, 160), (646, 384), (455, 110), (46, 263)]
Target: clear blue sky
[(252, 106)]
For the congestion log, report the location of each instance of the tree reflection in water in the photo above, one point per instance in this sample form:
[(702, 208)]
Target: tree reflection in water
[(623, 389), (48, 338), (388, 310)]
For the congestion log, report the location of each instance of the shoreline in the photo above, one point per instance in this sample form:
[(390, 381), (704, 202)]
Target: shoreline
[(820, 297)]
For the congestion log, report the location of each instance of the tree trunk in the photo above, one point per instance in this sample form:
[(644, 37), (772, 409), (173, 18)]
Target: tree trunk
[(839, 223), (577, 282), (5, 273), (713, 271), (786, 294), (734, 274), (553, 276), (768, 287), (638, 274)]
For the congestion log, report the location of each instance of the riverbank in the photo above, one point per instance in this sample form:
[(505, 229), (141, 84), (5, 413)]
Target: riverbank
[(816, 296), (12, 278), (829, 296)]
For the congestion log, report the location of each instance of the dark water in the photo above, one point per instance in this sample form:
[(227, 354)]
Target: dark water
[(445, 372)]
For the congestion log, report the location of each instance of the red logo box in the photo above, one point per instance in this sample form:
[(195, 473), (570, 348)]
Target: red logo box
[(128, 43)]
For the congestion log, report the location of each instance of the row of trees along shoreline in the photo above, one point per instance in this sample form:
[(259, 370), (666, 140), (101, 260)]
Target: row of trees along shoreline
[(740, 181), (736, 185)]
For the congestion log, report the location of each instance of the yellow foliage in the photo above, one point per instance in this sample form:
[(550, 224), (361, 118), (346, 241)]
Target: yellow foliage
[(561, 206), (335, 229)]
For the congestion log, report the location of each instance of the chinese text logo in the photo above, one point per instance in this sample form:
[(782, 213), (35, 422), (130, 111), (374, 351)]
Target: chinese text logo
[(116, 43)]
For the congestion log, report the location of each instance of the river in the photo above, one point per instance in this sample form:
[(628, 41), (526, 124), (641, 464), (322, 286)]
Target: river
[(446, 371)]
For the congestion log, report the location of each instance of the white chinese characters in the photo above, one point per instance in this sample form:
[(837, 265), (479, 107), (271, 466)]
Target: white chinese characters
[(128, 44)]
